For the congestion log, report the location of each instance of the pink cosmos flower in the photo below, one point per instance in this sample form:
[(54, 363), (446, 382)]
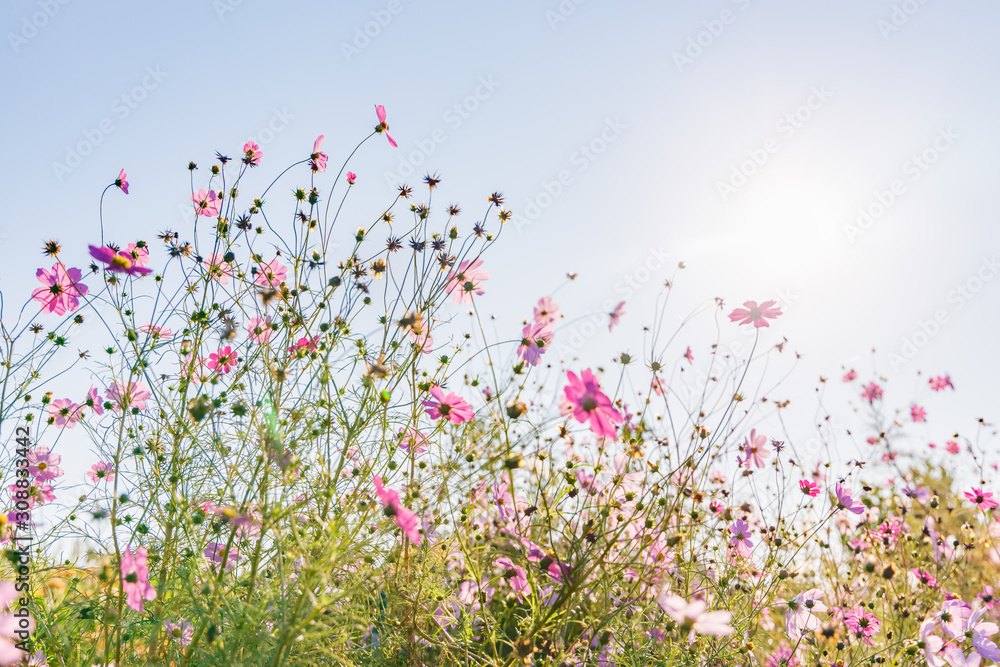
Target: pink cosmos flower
[(422, 341), (535, 338), (689, 356), (800, 615), (43, 464), (118, 261), (303, 346), (941, 382), (850, 375), (217, 268), (139, 253), (10, 630), (252, 153), (158, 333), (271, 274), (740, 539), (616, 315), (94, 401), (871, 392), (987, 596), (692, 615), (382, 126), (545, 310), (62, 287), (981, 499), (452, 406), (318, 159), (751, 312), (351, 177), (65, 412), (515, 575), (588, 402), (135, 578), (918, 414), (782, 657), (952, 447), (217, 553), (811, 489), (101, 471), (468, 280), (954, 618), (862, 623), (223, 360), (924, 577), (181, 632), (404, 517), (122, 181), (128, 395), (846, 502), (413, 441), (259, 329), (207, 203), (755, 449)]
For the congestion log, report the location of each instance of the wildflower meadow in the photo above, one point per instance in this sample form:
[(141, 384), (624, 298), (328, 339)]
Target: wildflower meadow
[(316, 452)]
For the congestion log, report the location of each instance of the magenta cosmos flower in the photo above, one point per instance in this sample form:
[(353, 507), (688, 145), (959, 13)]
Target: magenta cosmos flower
[(181, 632), (135, 578), (452, 406), (318, 159), (413, 441), (252, 153), (515, 575), (850, 375), (351, 177), (755, 449), (588, 402), (616, 315), (217, 268), (122, 181), (465, 282), (118, 261), (689, 355), (941, 383), (101, 471), (64, 412), (918, 414), (222, 361), (751, 312), (740, 539), (404, 517), (862, 623), (981, 499), (871, 392), (535, 338), (61, 291), (801, 609), (43, 464), (382, 125), (207, 202), (811, 489), (259, 329), (11, 631)]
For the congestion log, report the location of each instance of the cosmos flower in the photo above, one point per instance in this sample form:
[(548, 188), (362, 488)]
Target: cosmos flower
[(800, 616), (693, 617), (271, 274), (318, 159), (61, 291), (252, 153), (811, 489), (222, 361), (101, 471), (846, 502), (871, 392), (981, 499), (9, 625), (616, 315), (207, 203), (850, 375), (382, 125), (451, 406), (118, 261), (862, 623), (217, 268), (43, 464), (181, 632), (941, 382), (65, 412), (404, 517), (535, 338), (259, 329), (689, 355), (758, 315), (545, 310), (217, 553), (588, 402), (755, 449), (740, 539), (128, 395), (351, 177), (122, 181), (468, 280), (135, 578)]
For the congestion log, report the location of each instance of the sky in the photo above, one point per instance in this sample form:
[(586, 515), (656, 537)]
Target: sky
[(838, 157)]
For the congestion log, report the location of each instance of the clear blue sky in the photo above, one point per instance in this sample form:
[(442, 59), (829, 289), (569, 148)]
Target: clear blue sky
[(739, 136)]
